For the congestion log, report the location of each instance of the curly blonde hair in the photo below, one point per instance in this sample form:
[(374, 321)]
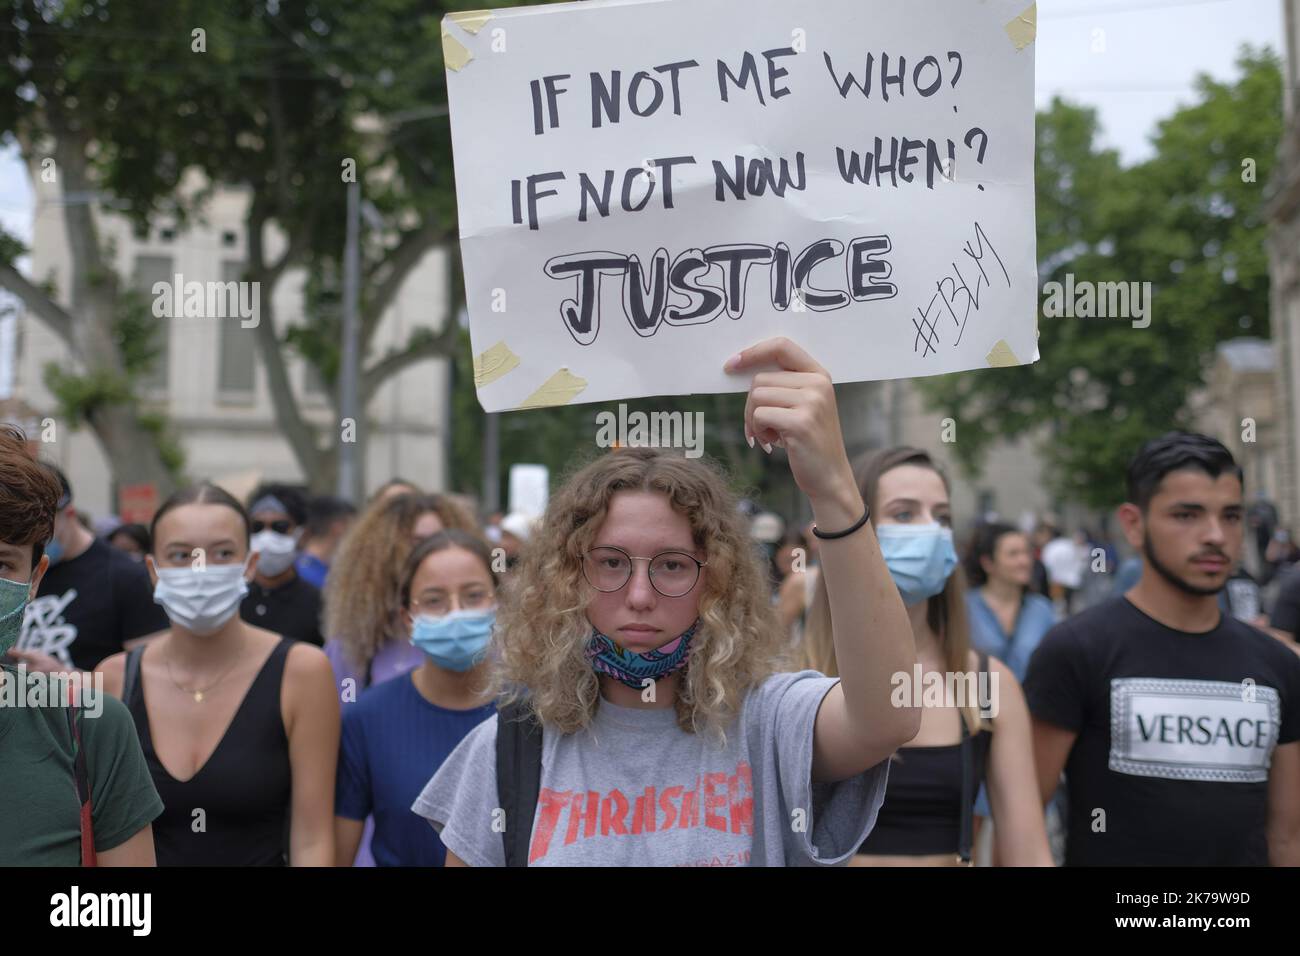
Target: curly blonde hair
[(542, 629), (361, 594)]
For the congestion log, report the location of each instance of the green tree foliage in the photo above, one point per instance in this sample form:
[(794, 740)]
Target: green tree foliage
[(564, 438), (1188, 222)]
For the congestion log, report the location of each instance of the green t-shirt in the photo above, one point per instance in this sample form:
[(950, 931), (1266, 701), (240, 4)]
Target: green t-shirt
[(40, 821)]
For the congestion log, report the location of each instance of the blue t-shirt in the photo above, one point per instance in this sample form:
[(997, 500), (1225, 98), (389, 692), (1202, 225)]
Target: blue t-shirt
[(393, 742), (312, 570)]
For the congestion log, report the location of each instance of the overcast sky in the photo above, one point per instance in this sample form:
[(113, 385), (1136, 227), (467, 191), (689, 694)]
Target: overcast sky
[(1134, 60)]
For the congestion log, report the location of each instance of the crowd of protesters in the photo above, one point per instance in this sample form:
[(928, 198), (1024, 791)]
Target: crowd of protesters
[(651, 674)]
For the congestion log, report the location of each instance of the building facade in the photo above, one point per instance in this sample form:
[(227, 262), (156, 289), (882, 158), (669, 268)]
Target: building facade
[(1284, 269), (209, 378)]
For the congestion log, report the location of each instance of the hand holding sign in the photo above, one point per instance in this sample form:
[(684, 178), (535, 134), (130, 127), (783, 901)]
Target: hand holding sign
[(796, 408)]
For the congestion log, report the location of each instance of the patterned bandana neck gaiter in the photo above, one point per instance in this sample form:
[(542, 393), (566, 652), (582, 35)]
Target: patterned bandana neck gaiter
[(633, 669)]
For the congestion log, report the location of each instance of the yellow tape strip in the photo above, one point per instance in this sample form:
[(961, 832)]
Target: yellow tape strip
[(560, 389), (1024, 28), (1001, 356), (471, 21), (454, 53), (492, 364)]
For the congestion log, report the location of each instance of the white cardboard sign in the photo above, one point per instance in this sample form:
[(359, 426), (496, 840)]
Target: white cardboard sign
[(647, 187)]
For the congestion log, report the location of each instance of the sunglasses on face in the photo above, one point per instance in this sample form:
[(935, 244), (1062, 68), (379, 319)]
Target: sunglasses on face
[(279, 527)]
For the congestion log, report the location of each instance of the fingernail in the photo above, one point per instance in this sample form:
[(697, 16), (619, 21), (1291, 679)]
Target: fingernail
[(731, 362), (767, 448), (750, 439)]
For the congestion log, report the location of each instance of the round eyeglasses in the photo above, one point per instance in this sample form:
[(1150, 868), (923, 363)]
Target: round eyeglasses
[(442, 604), (672, 573)]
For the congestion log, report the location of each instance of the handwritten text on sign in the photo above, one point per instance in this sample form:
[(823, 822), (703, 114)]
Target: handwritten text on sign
[(855, 175)]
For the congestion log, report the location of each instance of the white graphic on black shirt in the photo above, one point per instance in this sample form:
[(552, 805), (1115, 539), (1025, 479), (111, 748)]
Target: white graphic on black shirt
[(1192, 729), (44, 629)]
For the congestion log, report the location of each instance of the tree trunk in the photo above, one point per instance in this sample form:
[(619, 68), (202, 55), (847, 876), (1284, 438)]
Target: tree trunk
[(131, 449)]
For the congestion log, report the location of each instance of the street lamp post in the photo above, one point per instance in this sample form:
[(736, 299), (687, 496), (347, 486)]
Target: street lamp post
[(348, 371)]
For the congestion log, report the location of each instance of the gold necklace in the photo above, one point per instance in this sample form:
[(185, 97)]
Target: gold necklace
[(198, 694)]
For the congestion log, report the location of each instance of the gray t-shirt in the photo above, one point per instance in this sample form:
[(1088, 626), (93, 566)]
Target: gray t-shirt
[(633, 789)]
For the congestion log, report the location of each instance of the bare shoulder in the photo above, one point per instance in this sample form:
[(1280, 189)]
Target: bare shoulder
[(113, 668), (308, 689), (307, 662)]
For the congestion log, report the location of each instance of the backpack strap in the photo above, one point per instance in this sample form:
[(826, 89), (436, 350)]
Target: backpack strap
[(519, 776), (82, 775)]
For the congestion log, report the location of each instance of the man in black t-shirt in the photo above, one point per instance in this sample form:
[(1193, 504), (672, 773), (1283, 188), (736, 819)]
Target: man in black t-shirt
[(91, 602), (1177, 726), (278, 598)]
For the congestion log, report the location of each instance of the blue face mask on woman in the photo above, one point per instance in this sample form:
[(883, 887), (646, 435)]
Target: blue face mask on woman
[(456, 641), (920, 558)]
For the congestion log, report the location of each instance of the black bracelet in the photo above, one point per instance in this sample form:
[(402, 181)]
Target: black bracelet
[(844, 534)]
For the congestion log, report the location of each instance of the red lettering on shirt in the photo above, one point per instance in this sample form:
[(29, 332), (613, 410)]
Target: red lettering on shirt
[(690, 807), (550, 804), (643, 812), (612, 810), (666, 801), (714, 800), (583, 809), (727, 800), (741, 788)]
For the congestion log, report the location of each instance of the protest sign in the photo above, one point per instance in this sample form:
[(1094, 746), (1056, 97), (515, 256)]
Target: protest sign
[(647, 187)]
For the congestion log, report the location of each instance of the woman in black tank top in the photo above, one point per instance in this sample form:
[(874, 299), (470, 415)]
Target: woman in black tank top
[(239, 726), (974, 725)]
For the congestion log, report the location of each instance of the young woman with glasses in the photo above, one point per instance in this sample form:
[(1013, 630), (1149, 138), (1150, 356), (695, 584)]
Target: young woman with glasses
[(400, 731), (647, 720)]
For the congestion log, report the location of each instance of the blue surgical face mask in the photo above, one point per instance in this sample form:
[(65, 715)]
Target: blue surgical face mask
[(54, 551), (456, 641), (920, 558)]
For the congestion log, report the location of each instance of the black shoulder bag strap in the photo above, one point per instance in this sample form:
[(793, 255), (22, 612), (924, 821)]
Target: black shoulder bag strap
[(964, 838), (519, 776), (131, 674), (968, 781)]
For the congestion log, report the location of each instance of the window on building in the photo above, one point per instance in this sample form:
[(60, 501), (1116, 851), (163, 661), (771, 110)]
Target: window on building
[(148, 271), (237, 348)]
